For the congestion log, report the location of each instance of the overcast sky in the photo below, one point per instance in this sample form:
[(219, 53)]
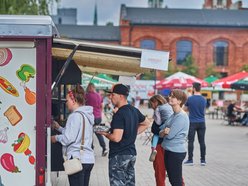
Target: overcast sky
[(109, 10)]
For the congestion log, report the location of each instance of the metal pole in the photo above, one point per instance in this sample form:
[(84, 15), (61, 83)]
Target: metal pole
[(62, 71), (48, 182), (155, 81)]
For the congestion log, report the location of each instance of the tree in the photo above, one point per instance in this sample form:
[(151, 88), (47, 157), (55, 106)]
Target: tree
[(244, 68), (210, 71), (190, 68), (25, 7)]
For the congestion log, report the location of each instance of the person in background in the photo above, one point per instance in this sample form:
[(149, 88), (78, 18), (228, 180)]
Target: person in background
[(196, 106), (94, 99), (71, 135), (162, 111), (127, 122), (174, 133)]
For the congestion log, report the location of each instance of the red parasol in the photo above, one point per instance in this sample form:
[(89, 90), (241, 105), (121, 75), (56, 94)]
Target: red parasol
[(227, 81), (179, 80)]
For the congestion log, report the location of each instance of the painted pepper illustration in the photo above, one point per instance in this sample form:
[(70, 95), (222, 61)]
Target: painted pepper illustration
[(8, 87), (25, 72), (21, 145), (7, 162), (5, 56)]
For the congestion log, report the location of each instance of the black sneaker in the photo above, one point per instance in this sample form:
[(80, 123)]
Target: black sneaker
[(203, 163), (189, 162)]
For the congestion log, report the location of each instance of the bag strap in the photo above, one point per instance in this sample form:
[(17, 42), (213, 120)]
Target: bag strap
[(83, 133), (82, 143)]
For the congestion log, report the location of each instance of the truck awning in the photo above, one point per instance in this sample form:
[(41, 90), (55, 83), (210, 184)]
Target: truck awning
[(100, 58)]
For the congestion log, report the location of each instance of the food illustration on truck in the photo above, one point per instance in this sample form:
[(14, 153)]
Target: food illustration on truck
[(13, 115), (7, 162), (21, 145), (8, 87), (5, 56), (3, 135), (24, 74)]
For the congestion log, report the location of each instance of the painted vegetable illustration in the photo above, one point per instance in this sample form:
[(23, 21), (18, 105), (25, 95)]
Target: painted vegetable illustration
[(7, 162), (3, 135), (25, 72), (21, 145), (5, 56)]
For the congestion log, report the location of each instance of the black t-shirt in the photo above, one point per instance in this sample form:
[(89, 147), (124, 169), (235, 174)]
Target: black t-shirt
[(128, 119), (230, 109)]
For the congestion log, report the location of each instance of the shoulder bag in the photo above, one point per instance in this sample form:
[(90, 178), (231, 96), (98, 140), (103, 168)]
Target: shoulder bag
[(74, 165)]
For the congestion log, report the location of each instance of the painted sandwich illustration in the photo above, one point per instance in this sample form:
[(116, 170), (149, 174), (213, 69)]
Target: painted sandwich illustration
[(8, 87)]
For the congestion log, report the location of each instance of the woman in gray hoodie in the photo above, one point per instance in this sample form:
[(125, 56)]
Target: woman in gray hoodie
[(174, 133), (71, 135)]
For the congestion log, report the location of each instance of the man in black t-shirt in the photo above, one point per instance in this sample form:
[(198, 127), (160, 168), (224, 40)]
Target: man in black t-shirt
[(127, 122)]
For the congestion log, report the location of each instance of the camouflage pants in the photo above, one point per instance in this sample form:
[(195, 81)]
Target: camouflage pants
[(121, 170)]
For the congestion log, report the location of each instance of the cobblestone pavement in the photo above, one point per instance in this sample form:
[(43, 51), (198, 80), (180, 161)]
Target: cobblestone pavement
[(227, 159)]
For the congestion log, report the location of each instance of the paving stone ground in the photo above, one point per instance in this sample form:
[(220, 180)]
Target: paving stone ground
[(227, 159)]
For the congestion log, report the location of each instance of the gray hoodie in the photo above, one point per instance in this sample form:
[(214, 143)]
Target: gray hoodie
[(71, 135)]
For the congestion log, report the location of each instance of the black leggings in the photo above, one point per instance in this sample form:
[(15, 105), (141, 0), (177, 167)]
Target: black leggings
[(173, 163), (81, 178)]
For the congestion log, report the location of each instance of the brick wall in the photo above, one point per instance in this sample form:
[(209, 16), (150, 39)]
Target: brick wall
[(202, 40)]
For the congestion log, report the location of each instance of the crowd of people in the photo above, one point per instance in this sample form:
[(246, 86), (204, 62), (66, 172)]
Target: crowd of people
[(171, 126)]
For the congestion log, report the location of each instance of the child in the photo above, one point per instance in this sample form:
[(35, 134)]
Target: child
[(162, 111)]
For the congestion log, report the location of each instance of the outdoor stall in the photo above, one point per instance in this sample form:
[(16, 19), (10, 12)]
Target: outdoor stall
[(25, 81), (29, 60)]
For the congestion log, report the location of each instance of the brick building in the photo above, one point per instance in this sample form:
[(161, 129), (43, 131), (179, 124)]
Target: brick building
[(216, 35)]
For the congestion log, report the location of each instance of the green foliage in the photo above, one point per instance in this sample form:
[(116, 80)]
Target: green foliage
[(210, 71), (148, 76), (244, 68), (25, 7), (190, 68)]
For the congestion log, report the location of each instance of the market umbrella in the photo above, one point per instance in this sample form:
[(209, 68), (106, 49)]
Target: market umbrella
[(179, 80), (101, 81), (227, 81), (241, 84), (210, 79)]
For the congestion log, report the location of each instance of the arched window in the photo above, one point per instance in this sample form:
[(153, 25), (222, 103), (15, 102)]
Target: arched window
[(148, 44), (184, 49), (221, 53)]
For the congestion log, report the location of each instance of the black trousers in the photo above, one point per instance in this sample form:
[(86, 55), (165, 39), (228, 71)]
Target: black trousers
[(200, 128), (173, 163), (81, 178)]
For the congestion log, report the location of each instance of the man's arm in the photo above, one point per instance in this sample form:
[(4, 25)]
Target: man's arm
[(144, 125), (115, 136)]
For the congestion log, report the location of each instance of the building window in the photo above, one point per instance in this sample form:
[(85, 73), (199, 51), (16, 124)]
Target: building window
[(221, 53), (184, 49), (148, 44)]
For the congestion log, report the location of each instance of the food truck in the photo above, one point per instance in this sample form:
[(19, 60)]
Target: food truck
[(34, 65)]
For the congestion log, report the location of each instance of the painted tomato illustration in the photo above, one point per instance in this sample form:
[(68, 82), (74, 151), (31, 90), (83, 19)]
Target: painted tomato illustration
[(7, 161)]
